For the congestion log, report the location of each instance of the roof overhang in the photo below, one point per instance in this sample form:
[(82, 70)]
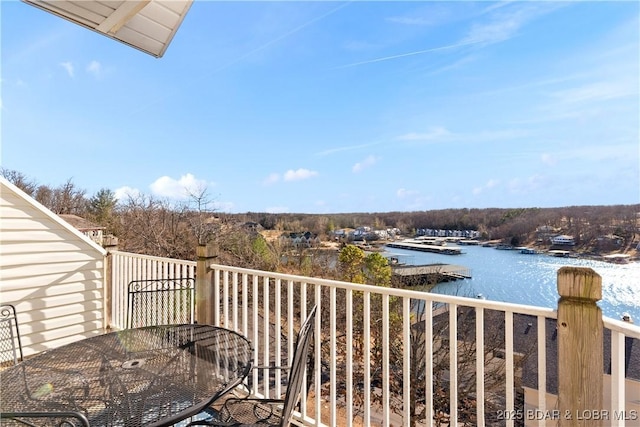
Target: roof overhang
[(148, 25)]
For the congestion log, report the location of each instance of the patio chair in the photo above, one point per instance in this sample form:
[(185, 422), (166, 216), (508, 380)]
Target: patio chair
[(44, 419), (153, 302), (272, 412), (10, 345)]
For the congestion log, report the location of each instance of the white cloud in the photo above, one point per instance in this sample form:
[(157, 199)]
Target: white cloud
[(126, 192), (489, 185), (271, 179), (440, 134), (290, 175), (548, 159), (299, 174), (94, 68), (505, 22), (178, 188), (366, 163), (523, 186), (597, 91), (403, 193), (412, 199), (492, 183), (69, 67), (433, 134), (501, 25)]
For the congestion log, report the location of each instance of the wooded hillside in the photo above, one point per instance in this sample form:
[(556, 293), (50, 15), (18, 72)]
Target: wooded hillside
[(153, 226)]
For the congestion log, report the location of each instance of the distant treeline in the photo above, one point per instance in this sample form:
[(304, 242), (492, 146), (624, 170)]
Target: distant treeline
[(154, 226), (522, 224)]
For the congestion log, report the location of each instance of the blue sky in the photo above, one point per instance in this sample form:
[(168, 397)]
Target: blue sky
[(325, 107)]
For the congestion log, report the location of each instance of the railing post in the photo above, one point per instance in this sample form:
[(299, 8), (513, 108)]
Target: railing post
[(580, 347), (110, 246), (204, 288)]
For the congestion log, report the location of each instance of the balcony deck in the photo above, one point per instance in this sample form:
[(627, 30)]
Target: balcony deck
[(386, 356)]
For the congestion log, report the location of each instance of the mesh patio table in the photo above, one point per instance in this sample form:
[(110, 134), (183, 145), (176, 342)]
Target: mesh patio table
[(151, 376)]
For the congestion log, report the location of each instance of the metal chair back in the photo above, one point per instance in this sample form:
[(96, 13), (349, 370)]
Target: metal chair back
[(10, 345), (44, 419), (153, 302), (298, 366)]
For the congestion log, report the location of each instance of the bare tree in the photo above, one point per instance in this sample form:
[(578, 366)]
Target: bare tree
[(201, 217), (154, 227), (68, 199), (19, 180)]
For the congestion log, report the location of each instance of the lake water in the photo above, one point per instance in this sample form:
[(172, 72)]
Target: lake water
[(509, 276)]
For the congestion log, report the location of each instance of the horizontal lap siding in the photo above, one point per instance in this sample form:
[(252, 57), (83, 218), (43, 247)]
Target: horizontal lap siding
[(53, 276)]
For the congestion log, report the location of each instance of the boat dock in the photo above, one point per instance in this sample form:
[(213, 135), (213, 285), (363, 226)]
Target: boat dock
[(415, 245), (411, 275)]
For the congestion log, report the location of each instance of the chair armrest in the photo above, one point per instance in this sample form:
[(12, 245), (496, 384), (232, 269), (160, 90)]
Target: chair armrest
[(253, 410), (244, 412), (64, 417)]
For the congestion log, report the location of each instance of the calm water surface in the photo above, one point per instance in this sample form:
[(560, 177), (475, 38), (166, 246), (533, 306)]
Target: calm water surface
[(510, 276)]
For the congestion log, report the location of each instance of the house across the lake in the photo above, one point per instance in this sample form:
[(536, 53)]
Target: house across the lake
[(563, 240), (300, 240), (89, 229)]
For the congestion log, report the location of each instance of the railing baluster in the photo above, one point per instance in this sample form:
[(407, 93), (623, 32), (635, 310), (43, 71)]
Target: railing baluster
[(349, 357), (225, 298), (509, 384), (303, 316), (277, 330), (542, 367), (245, 304), (334, 356), (618, 377), (290, 320), (480, 366), (406, 362), (366, 337), (385, 361), (453, 364), (318, 351), (266, 318), (428, 364), (216, 296), (255, 316), (234, 301)]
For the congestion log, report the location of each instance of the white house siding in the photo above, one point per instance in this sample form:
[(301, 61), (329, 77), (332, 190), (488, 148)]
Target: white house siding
[(51, 272)]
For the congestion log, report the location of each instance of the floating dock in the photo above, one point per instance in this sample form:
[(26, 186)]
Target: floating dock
[(416, 245), (411, 275)]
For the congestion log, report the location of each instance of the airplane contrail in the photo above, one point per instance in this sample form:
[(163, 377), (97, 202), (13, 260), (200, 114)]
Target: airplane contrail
[(402, 55)]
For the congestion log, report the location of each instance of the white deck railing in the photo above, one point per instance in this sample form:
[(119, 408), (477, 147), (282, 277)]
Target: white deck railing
[(125, 267), (382, 355)]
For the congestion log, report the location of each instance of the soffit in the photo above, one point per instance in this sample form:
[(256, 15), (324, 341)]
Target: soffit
[(148, 25)]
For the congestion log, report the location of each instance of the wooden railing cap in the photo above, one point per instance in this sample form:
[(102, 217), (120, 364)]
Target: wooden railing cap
[(579, 283), (205, 251)]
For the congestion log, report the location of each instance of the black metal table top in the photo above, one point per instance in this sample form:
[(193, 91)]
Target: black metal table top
[(148, 376)]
